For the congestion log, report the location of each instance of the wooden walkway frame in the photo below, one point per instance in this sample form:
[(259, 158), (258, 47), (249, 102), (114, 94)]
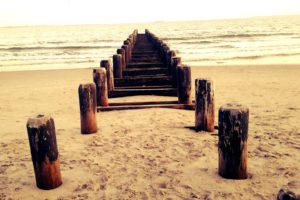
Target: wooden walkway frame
[(146, 69)]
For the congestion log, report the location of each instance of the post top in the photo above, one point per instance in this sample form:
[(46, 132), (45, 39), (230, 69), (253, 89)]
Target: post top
[(234, 107), (38, 120)]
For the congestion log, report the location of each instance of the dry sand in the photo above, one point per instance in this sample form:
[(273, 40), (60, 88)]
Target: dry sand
[(152, 154)]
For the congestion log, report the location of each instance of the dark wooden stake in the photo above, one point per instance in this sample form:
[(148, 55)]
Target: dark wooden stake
[(176, 61), (122, 52), (88, 103), (205, 105), (171, 54), (101, 86), (232, 146), (44, 152), (117, 63), (125, 47), (109, 73), (184, 84)]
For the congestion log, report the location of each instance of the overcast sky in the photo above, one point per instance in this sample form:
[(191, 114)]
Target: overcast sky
[(30, 12)]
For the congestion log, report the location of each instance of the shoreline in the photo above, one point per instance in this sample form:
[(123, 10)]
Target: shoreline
[(192, 66)]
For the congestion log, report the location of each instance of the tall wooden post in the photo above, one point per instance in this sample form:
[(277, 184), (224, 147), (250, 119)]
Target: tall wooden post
[(232, 146), (44, 152), (171, 54), (127, 43), (117, 63), (87, 103), (109, 73), (184, 84), (100, 77), (122, 52), (204, 105), (176, 61), (125, 47)]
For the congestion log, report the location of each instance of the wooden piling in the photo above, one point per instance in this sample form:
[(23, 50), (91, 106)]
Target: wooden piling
[(100, 81), (125, 47), (127, 43), (176, 61), (184, 84), (117, 63), (232, 146), (122, 52), (170, 54), (88, 104), (109, 73), (44, 152), (204, 105)]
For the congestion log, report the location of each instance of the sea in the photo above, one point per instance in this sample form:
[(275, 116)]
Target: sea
[(251, 41)]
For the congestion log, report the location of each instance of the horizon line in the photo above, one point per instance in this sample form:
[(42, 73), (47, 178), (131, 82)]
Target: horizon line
[(149, 22)]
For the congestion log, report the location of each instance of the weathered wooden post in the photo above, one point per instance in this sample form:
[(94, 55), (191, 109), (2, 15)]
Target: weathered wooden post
[(100, 77), (176, 61), (232, 146), (125, 47), (126, 42), (170, 54), (184, 84), (109, 73), (204, 105), (44, 152), (117, 63), (122, 52), (88, 103)]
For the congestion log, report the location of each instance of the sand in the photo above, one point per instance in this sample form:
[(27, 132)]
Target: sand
[(152, 153)]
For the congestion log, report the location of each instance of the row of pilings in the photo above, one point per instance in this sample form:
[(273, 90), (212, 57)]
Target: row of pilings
[(232, 125)]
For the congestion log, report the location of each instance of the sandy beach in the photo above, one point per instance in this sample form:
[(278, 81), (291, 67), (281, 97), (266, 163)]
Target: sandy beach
[(152, 153)]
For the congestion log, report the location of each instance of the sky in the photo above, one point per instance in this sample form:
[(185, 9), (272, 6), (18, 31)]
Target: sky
[(45, 12)]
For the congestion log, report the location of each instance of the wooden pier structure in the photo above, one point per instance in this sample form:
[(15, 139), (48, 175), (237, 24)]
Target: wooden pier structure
[(145, 72), (145, 65)]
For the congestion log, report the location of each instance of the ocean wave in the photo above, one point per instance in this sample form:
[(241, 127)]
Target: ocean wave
[(251, 35), (55, 47), (197, 42), (251, 57)]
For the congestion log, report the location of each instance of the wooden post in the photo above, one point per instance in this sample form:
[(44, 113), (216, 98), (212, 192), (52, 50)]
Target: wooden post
[(126, 42), (44, 152), (109, 73), (232, 146), (125, 47), (122, 52), (117, 63), (170, 54), (204, 105), (87, 102), (176, 61), (99, 76), (184, 84)]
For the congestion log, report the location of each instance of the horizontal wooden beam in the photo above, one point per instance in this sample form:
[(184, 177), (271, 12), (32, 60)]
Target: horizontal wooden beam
[(146, 64), (134, 92), (142, 103), (133, 107), (140, 81), (147, 71)]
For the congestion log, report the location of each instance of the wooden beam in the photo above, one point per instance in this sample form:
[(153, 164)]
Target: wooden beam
[(133, 107), (134, 92), (142, 103)]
